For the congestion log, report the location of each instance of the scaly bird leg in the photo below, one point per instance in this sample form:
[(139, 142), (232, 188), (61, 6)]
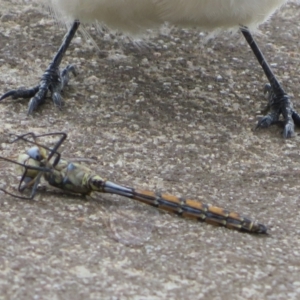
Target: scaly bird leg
[(279, 101), (53, 79)]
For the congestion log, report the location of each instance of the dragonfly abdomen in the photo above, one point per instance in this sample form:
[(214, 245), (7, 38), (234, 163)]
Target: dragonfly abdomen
[(199, 211)]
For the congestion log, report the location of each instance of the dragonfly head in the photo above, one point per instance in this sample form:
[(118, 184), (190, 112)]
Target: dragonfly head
[(35, 153), (25, 162)]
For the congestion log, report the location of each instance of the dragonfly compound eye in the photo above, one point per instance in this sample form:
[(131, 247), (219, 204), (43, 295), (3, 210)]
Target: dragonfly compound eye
[(34, 153)]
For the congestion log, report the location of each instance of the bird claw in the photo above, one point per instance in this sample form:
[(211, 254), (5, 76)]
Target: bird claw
[(279, 105), (21, 93), (266, 121), (52, 80), (289, 130)]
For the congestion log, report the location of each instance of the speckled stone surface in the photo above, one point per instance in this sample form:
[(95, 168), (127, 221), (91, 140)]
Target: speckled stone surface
[(177, 117)]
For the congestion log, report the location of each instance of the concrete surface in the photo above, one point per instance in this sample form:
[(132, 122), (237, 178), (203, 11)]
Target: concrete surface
[(178, 118)]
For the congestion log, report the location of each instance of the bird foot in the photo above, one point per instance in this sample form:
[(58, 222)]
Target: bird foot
[(53, 80), (279, 104)]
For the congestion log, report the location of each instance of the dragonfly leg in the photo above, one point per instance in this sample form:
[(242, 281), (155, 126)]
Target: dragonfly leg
[(52, 80), (52, 151), (36, 163), (31, 175)]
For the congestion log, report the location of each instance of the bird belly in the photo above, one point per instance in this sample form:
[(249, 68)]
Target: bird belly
[(135, 16)]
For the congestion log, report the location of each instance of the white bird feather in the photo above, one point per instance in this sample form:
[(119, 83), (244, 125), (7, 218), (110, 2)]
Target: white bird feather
[(135, 16)]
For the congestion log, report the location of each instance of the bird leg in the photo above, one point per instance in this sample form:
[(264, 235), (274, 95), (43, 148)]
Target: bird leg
[(279, 101), (52, 80)]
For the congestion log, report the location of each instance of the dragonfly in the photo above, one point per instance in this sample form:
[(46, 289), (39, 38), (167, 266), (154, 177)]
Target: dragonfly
[(41, 161)]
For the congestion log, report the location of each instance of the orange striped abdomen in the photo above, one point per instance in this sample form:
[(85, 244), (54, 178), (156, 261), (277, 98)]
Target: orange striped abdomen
[(201, 212)]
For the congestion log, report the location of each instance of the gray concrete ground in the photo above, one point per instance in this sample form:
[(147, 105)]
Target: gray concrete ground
[(178, 118)]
